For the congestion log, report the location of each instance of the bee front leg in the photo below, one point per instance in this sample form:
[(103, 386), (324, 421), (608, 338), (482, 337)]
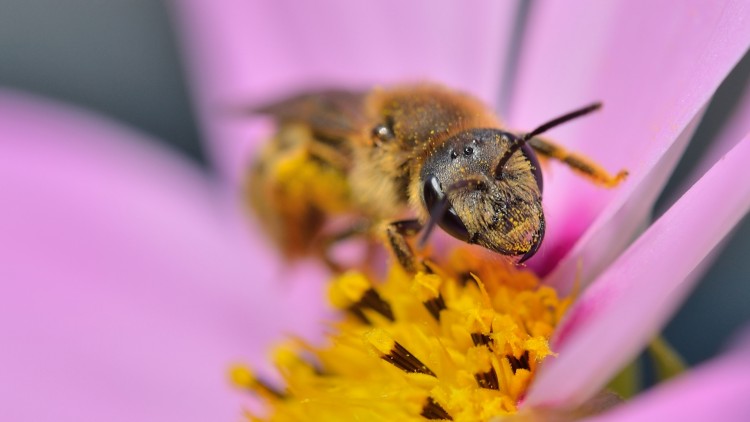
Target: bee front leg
[(396, 233), (577, 162)]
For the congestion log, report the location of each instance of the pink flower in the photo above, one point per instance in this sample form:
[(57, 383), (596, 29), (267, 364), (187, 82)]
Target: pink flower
[(130, 280)]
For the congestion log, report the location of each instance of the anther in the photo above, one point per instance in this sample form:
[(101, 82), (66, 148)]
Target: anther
[(432, 410), (481, 339), (354, 293), (435, 305), (393, 352), (372, 300), (488, 379), (427, 288), (519, 363)]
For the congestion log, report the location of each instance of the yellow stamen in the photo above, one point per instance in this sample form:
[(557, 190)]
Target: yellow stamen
[(461, 343), (244, 378)]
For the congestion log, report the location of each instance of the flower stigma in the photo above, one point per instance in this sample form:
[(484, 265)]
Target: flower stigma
[(459, 342)]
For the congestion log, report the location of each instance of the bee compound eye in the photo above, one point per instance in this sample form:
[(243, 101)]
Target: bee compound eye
[(432, 193), (453, 225), (381, 133), (536, 168), (537, 241)]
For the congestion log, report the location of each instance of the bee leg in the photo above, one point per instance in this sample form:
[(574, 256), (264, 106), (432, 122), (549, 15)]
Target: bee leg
[(578, 163), (397, 232)]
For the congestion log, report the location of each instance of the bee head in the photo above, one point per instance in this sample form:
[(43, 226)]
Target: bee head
[(479, 190), (484, 186)]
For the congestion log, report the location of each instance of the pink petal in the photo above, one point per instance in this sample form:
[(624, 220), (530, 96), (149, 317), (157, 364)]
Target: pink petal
[(127, 287), (654, 66), (633, 298), (244, 52), (714, 391)]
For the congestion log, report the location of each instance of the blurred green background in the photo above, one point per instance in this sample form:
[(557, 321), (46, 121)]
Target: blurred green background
[(120, 58)]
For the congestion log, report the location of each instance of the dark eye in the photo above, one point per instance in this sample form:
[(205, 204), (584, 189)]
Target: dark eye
[(453, 225), (382, 133), (538, 237), (529, 153), (440, 208)]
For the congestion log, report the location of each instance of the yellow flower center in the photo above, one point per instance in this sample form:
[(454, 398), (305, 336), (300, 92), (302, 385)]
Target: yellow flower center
[(459, 343)]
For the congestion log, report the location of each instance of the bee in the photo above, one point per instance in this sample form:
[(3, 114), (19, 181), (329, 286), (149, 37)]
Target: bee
[(397, 161)]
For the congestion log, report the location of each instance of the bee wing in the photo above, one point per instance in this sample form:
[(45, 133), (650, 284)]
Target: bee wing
[(333, 114)]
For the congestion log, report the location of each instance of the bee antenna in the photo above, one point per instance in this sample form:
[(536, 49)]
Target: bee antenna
[(518, 143)]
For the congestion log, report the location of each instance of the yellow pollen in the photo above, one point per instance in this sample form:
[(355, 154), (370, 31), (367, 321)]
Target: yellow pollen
[(461, 343), (380, 340), (426, 286), (242, 377), (309, 181), (348, 289)]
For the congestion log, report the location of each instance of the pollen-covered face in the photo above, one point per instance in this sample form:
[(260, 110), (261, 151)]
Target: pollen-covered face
[(477, 200)]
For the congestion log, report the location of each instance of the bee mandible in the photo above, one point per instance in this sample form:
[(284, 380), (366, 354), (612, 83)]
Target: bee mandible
[(402, 160)]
